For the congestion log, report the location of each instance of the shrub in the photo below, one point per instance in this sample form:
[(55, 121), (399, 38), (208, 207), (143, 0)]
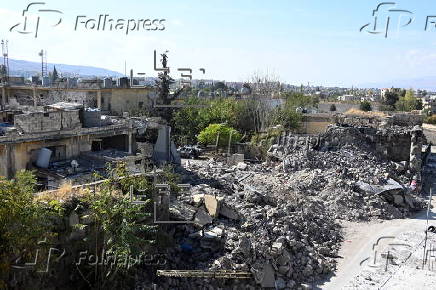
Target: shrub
[(431, 120), (365, 106), (209, 135), (332, 108)]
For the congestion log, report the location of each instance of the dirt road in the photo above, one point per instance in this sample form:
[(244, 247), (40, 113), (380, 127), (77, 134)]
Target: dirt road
[(360, 239)]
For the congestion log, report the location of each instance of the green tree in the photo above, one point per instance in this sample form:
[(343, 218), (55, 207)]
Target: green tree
[(365, 106), (23, 221), (209, 135), (390, 98), (55, 75), (300, 100), (409, 102), (332, 108)]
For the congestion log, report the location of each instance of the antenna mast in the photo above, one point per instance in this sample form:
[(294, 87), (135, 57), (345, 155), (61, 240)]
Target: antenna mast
[(43, 55), (5, 68)]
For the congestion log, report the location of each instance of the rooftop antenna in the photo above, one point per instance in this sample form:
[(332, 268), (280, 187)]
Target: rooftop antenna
[(43, 55), (5, 54)]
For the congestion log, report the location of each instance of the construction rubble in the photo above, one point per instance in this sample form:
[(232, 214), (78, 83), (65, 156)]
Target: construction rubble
[(279, 220)]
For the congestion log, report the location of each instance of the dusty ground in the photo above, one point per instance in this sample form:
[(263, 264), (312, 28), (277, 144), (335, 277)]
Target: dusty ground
[(360, 238)]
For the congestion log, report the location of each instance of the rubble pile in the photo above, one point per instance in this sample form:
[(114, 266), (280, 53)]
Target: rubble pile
[(278, 220), (336, 178), (281, 243)]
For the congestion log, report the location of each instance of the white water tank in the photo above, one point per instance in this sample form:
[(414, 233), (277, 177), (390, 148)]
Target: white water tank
[(43, 158)]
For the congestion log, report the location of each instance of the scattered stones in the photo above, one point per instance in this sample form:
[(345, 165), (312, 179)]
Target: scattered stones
[(202, 218), (278, 220)]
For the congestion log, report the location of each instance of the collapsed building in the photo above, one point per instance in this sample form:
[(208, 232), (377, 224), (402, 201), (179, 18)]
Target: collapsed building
[(276, 222), (66, 141), (106, 97)]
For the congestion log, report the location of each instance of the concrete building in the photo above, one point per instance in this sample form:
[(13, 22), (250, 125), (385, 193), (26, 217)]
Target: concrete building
[(348, 98), (116, 100), (51, 139), (429, 103)]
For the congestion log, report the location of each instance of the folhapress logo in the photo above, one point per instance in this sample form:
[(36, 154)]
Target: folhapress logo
[(36, 15), (31, 21), (104, 22)]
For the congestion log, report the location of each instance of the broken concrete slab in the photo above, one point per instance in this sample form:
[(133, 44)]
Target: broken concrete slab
[(228, 212), (391, 187), (214, 233), (242, 166), (182, 211), (268, 279), (212, 205), (202, 218)]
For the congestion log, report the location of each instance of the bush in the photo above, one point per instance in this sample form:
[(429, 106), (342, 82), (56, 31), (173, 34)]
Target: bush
[(430, 120), (332, 108), (365, 106), (408, 103), (23, 221), (209, 135)]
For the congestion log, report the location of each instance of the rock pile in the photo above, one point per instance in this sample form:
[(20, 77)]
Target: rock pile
[(281, 243), (278, 220)]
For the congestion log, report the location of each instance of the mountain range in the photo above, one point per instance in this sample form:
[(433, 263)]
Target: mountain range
[(30, 68)]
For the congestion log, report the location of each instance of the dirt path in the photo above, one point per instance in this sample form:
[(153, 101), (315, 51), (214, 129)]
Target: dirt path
[(359, 241)]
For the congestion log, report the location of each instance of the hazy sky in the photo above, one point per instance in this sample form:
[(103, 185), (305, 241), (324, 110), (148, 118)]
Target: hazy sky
[(299, 41)]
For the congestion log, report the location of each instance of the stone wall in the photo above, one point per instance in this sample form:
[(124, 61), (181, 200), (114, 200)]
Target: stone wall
[(125, 100), (377, 121), (46, 122), (407, 119), (392, 144), (315, 123)]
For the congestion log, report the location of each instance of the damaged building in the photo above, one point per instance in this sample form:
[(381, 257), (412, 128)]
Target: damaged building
[(90, 93), (67, 141)]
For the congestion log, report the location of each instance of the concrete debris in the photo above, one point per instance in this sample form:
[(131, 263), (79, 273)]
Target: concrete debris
[(241, 166), (212, 205), (202, 218), (279, 219), (181, 211)]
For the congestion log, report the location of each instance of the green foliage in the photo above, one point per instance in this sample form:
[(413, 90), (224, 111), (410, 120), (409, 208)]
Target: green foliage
[(209, 135), (271, 133), (430, 120), (332, 108), (365, 106), (120, 176), (125, 229), (246, 115), (287, 117), (386, 108), (189, 122), (263, 141), (409, 93), (23, 221), (391, 98), (169, 177), (116, 225), (409, 102), (296, 100)]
